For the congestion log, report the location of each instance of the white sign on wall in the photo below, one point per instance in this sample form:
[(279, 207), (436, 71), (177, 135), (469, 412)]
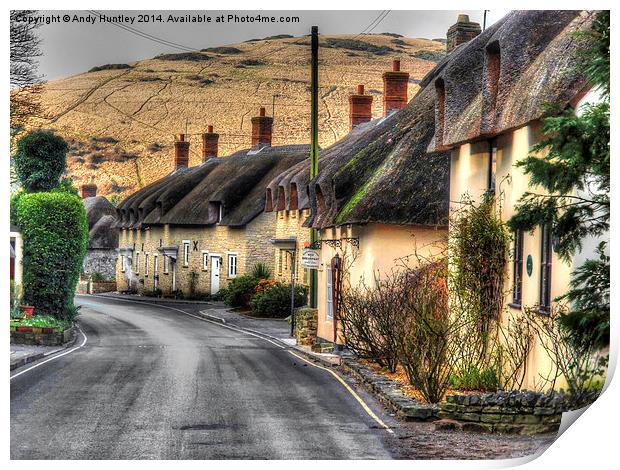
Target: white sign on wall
[(310, 259)]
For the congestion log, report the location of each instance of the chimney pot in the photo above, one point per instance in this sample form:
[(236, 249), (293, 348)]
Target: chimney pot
[(395, 88), (209, 144), (88, 190), (262, 127), (360, 108), (181, 152), (461, 32)]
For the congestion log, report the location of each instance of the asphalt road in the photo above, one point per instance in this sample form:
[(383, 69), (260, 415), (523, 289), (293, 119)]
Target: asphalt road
[(152, 383)]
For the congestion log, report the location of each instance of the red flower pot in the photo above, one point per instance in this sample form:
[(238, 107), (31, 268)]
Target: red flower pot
[(27, 309), (24, 329), (47, 330)]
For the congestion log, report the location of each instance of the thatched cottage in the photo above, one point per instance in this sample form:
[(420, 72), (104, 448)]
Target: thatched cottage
[(379, 199), (490, 95), (102, 253), (197, 228)]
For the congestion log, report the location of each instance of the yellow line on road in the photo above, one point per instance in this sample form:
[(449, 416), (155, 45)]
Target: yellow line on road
[(350, 390)]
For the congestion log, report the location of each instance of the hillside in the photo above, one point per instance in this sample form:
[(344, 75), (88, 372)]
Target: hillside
[(120, 119)]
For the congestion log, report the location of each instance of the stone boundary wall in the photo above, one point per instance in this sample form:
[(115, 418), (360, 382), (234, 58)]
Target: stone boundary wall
[(389, 393), (36, 338), (512, 412)]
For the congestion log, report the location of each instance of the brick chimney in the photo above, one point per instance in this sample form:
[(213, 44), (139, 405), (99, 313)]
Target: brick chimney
[(461, 32), (88, 190), (395, 88), (261, 129), (209, 143), (360, 107), (181, 152)]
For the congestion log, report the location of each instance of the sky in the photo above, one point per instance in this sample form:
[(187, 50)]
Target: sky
[(72, 48)]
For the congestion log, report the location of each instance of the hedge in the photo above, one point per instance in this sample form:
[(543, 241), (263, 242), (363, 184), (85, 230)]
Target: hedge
[(55, 231)]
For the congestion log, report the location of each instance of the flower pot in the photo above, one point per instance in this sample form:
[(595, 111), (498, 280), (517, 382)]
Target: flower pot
[(47, 331), (24, 329), (37, 330), (27, 309)]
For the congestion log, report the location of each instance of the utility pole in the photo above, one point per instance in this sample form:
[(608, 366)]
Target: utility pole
[(484, 20), (314, 144)]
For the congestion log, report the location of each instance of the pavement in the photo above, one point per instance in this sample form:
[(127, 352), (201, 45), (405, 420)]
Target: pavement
[(163, 380), (22, 354)]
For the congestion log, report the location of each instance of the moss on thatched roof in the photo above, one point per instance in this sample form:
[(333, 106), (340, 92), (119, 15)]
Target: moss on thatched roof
[(187, 196), (538, 53), (392, 171)]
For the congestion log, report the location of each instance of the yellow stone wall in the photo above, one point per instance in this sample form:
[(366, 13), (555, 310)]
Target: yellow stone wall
[(250, 243), (382, 249), (289, 224), (469, 175)]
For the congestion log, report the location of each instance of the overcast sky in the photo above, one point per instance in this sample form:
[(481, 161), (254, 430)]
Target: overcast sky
[(70, 48)]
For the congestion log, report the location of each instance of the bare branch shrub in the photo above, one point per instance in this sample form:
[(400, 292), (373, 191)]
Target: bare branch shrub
[(371, 317), (582, 367), (427, 340)]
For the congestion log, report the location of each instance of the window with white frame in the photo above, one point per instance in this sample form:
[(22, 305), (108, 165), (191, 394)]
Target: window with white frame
[(329, 294), (137, 262), (185, 253), (232, 264), (122, 263), (166, 264), (146, 264), (205, 260), (156, 264)]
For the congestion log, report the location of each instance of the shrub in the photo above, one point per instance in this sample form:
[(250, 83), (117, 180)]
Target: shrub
[(189, 56), (110, 67), (40, 160), (371, 318), (260, 271), (222, 50), (275, 301), (475, 379), (251, 62), (55, 231), (240, 291), (355, 45)]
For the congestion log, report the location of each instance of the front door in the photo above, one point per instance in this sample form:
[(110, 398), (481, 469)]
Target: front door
[(216, 262)]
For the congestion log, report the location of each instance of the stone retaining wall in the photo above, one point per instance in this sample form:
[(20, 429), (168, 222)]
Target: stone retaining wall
[(36, 338), (507, 412)]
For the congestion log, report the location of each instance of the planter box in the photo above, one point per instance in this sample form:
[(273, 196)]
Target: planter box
[(53, 338)]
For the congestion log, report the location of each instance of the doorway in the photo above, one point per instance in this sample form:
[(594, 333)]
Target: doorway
[(216, 262)]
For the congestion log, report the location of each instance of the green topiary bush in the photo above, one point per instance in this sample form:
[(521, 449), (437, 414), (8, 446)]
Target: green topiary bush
[(275, 301), (40, 160), (55, 231), (240, 291)]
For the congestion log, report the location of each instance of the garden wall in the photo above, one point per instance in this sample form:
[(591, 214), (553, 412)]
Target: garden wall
[(506, 412), (36, 337)]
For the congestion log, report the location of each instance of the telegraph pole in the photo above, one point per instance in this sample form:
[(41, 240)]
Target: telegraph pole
[(314, 144)]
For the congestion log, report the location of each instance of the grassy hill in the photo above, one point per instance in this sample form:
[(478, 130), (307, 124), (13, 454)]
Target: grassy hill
[(120, 119)]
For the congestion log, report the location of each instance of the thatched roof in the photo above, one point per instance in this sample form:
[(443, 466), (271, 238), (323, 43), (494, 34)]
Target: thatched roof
[(191, 197), (101, 215), (391, 170), (537, 50), (379, 173)]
